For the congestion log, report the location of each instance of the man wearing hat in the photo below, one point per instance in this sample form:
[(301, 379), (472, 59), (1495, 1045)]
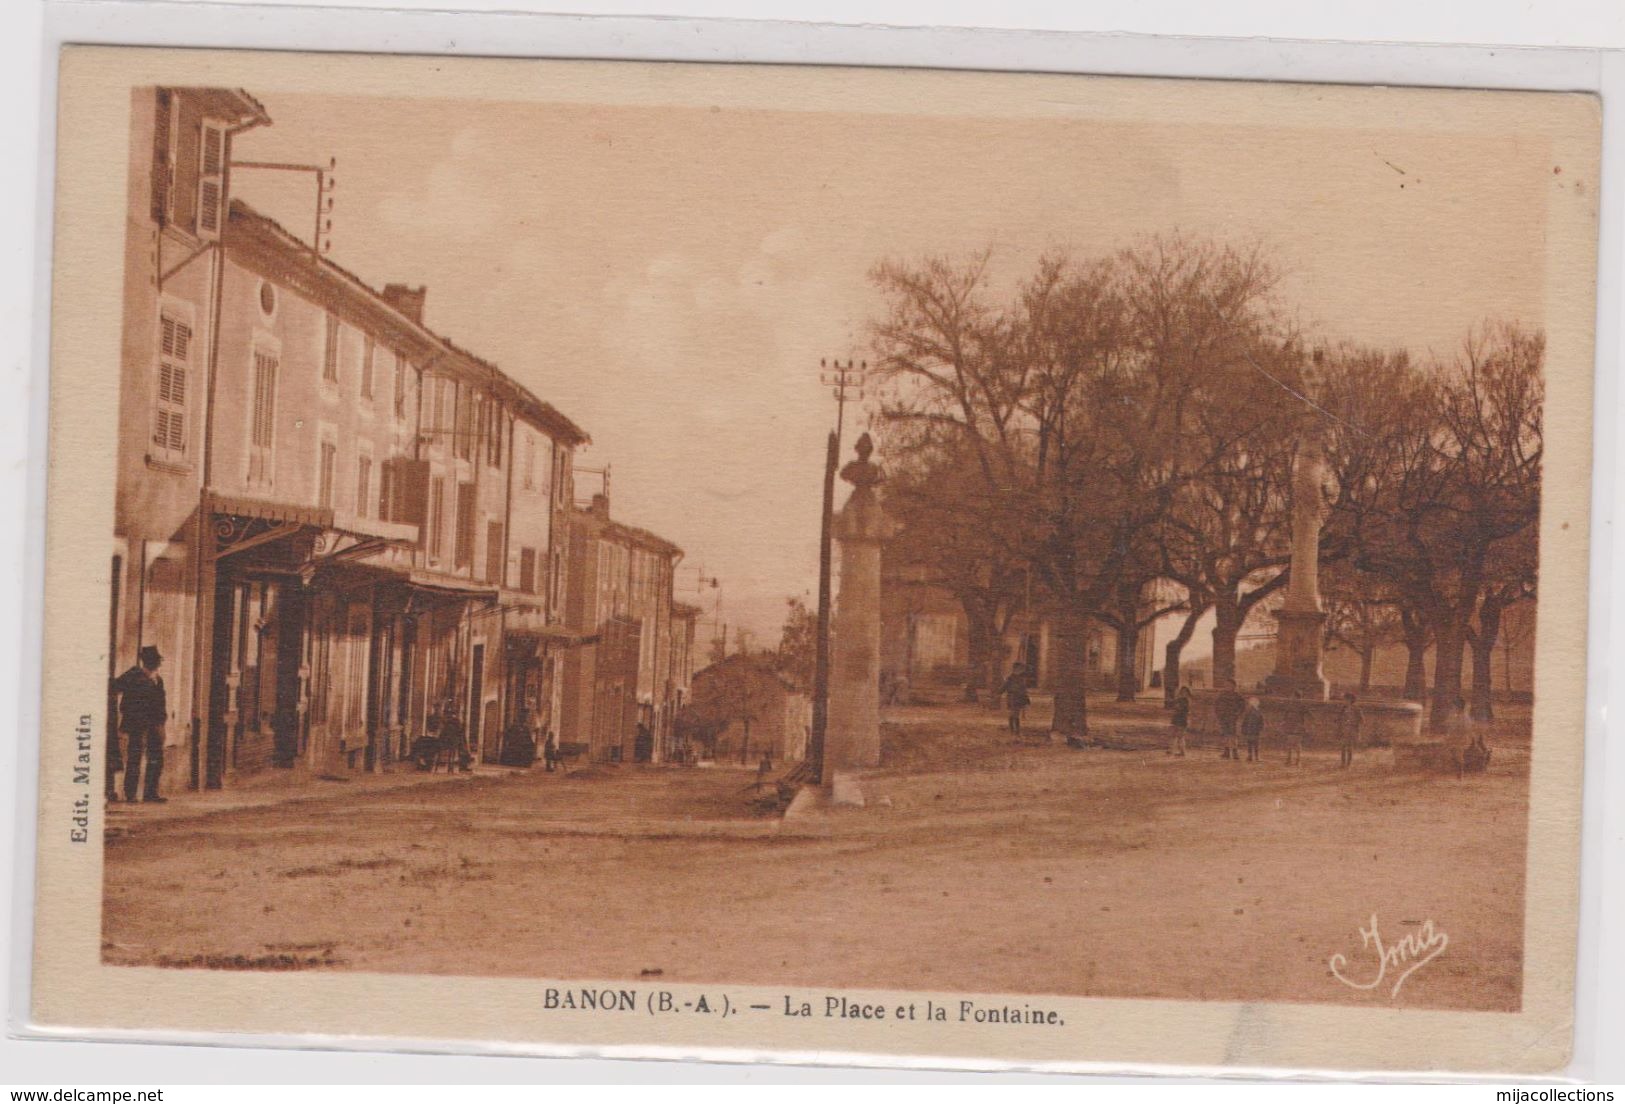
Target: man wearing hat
[(142, 712)]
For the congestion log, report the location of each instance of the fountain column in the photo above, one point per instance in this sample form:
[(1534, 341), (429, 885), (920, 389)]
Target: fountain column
[(1301, 620)]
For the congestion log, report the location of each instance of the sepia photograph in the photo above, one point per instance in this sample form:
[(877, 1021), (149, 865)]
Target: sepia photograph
[(688, 534)]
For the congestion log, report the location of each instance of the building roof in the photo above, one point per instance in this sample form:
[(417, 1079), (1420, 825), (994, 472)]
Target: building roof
[(642, 537), (306, 270), (755, 664), (230, 105), (627, 534), (598, 522)]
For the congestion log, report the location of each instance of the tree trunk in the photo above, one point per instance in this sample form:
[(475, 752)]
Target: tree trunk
[(979, 652), (1483, 651), (1449, 642), (1368, 652), (1481, 702), (1128, 647), (1070, 642), (1170, 671), (1226, 627), (1416, 648), (1173, 650)]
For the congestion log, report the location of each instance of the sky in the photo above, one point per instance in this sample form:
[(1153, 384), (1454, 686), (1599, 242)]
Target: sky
[(670, 276)]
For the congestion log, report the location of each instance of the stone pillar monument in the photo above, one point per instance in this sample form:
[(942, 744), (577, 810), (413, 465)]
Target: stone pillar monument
[(1301, 618), (852, 735)]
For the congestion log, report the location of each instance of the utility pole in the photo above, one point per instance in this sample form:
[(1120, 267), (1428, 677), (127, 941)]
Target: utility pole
[(845, 382), (321, 238)]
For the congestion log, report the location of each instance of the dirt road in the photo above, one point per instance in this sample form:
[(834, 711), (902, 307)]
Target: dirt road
[(980, 865)]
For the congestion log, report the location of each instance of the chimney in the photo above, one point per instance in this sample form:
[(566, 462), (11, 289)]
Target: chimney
[(600, 506), (406, 299)]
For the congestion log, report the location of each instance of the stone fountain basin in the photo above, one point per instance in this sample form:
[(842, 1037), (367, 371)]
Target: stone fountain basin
[(1385, 722)]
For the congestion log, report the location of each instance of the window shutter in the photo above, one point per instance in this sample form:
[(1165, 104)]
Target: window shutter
[(160, 158), (363, 487), (433, 523), (495, 562), (169, 412), (386, 491), (464, 551), (330, 349), (262, 427), (211, 180), (325, 473)]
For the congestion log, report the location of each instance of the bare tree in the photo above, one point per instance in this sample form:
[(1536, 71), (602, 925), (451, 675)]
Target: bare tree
[(1450, 468), (1135, 606), (1512, 574), (1197, 603), (739, 688), (945, 532), (1077, 407), (1362, 614)]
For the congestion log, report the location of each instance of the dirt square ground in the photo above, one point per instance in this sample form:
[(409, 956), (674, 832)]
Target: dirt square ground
[(980, 865)]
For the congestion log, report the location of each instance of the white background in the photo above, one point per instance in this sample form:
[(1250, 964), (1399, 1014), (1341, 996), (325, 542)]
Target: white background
[(1260, 34)]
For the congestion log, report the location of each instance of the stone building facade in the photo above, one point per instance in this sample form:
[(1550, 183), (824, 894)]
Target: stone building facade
[(333, 522)]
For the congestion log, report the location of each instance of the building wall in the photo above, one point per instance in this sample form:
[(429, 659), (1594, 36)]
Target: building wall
[(532, 510), (577, 698), (153, 563), (924, 634), (780, 733), (317, 399), (310, 410)]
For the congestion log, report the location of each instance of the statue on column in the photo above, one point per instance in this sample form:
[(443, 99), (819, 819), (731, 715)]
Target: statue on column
[(1300, 620)]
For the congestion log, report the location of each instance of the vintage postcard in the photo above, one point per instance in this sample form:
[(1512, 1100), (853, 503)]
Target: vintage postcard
[(835, 564)]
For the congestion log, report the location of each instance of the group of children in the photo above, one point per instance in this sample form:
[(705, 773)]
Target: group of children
[(1236, 715)]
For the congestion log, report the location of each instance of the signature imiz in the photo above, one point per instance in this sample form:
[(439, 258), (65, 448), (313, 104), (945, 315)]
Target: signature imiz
[(1400, 961)]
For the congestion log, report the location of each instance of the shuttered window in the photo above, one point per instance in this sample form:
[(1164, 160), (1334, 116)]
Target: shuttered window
[(327, 462), (262, 418), (330, 351), (467, 422), (527, 570), (400, 387), (211, 180), (464, 550), (363, 486), (388, 509), (493, 434), (161, 171), (437, 513), (174, 383), (265, 370), (369, 357), (495, 561)]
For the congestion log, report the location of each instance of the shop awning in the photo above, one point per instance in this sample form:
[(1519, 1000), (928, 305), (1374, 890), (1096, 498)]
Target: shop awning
[(237, 523), (528, 620), (270, 510), (394, 532), (446, 586)]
